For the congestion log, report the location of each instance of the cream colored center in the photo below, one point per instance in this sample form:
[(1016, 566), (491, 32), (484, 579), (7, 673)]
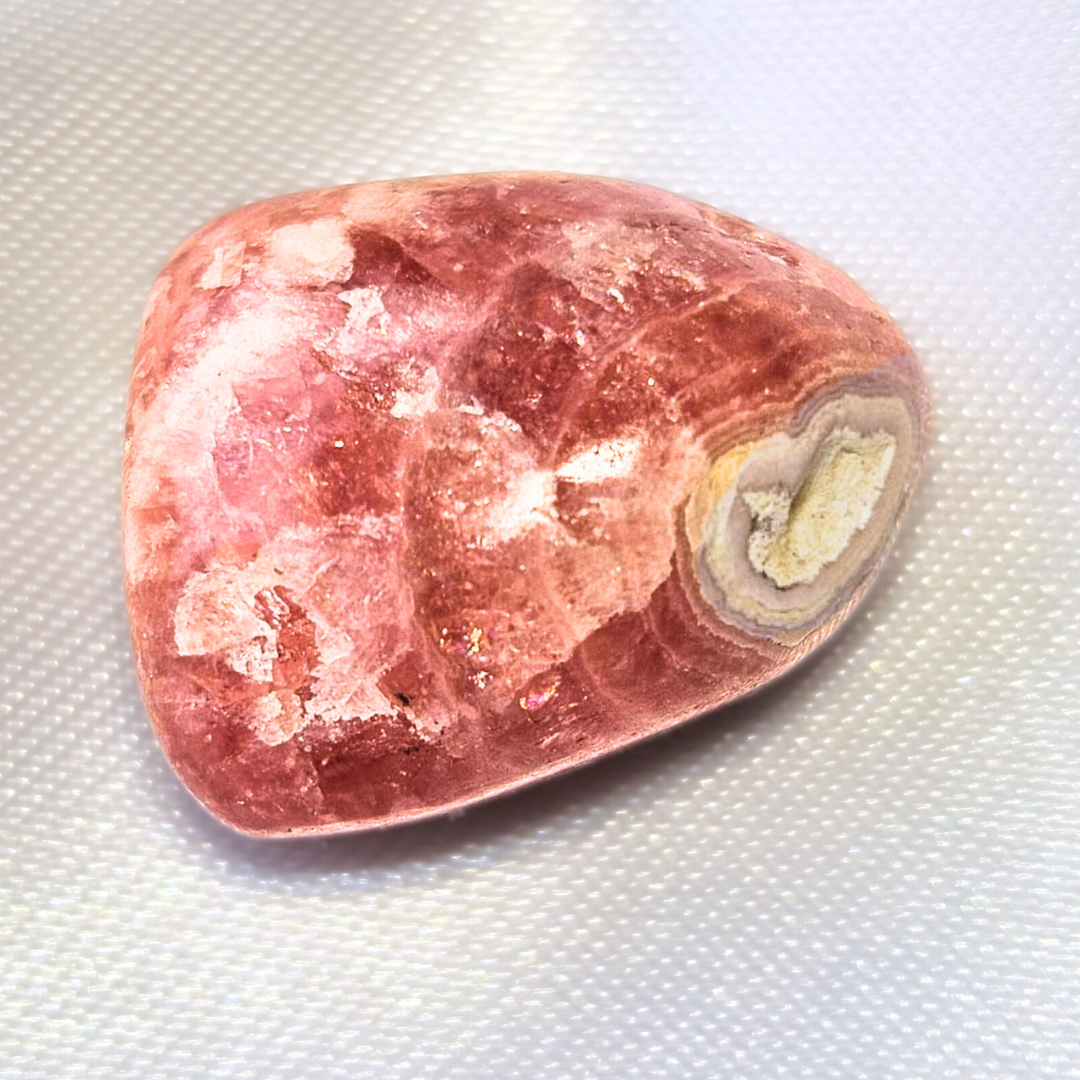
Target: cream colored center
[(793, 539)]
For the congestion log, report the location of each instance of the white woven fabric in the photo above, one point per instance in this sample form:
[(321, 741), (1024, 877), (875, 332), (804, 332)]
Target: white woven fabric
[(868, 871)]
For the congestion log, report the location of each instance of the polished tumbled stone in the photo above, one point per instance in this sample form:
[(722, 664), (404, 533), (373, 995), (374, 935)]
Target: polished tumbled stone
[(437, 487)]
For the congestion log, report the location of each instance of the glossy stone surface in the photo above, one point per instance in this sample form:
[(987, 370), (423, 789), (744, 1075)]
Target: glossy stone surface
[(434, 488)]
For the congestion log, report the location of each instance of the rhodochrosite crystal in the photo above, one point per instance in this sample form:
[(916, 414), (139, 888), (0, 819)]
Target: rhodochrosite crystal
[(434, 488)]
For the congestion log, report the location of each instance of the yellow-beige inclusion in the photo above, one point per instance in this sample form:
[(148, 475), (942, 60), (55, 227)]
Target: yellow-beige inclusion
[(794, 538)]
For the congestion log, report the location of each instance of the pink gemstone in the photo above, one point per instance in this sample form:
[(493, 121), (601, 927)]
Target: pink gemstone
[(434, 488)]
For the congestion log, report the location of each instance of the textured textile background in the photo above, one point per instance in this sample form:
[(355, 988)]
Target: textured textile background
[(869, 870)]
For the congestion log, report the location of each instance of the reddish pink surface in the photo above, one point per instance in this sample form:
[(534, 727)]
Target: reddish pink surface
[(405, 476)]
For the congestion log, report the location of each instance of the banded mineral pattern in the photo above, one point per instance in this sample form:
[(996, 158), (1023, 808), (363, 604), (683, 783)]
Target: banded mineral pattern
[(433, 488)]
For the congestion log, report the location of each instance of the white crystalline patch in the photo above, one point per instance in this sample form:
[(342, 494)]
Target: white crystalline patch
[(368, 319), (343, 690), (432, 723), (365, 305), (276, 717), (605, 461), (254, 345), (218, 612), (420, 402), (181, 424), (254, 659), (315, 253), (226, 268), (613, 250), (505, 494), (529, 501), (495, 423)]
